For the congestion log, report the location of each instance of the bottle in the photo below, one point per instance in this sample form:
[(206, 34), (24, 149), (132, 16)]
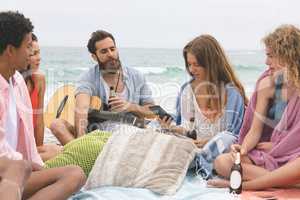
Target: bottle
[(112, 93), (192, 123), (192, 133), (236, 176)]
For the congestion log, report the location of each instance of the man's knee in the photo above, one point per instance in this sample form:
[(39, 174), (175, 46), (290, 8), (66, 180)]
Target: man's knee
[(76, 174), (20, 168), (25, 168), (57, 126)]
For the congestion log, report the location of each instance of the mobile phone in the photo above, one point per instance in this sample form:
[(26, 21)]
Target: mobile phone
[(157, 110)]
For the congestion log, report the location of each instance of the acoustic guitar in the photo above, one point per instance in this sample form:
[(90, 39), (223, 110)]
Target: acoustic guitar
[(62, 105)]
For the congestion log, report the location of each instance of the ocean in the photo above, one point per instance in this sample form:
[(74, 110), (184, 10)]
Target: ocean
[(164, 68)]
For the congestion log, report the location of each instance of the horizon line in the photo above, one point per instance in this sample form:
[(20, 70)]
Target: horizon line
[(134, 47)]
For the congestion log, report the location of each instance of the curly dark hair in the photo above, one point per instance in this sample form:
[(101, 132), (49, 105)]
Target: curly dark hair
[(13, 28), (97, 36)]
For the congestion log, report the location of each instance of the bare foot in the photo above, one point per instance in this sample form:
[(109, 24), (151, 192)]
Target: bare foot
[(219, 183)]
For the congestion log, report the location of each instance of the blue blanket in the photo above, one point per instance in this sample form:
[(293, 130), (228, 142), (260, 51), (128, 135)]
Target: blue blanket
[(193, 188), (234, 113)]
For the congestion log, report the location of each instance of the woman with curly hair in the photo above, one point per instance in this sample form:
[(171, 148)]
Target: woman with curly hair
[(269, 138)]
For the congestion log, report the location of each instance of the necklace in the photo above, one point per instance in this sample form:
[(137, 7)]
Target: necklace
[(117, 82)]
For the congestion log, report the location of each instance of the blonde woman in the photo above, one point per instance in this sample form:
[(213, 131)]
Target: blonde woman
[(269, 137)]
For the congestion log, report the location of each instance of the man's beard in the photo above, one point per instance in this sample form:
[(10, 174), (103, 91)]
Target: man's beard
[(111, 66)]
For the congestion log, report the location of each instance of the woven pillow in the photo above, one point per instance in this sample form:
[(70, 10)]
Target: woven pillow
[(134, 157), (82, 151)]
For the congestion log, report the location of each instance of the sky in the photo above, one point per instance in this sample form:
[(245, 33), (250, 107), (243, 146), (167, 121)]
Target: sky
[(236, 24)]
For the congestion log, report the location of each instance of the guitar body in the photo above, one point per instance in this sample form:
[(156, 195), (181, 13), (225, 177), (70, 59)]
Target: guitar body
[(67, 110), (54, 103)]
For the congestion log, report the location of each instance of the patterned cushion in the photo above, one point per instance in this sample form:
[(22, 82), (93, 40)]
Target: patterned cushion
[(82, 151), (143, 158)]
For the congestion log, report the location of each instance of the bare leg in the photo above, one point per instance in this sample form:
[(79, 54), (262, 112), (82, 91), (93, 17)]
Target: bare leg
[(224, 162), (62, 130), (223, 165), (250, 172), (55, 183), (286, 176), (13, 175)]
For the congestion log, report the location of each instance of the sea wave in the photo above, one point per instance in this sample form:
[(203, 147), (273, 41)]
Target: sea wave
[(249, 67), (160, 70), (179, 70)]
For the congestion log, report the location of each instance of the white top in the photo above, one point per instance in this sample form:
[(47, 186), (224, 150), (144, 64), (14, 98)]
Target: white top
[(11, 126), (122, 95), (204, 126), (112, 125)]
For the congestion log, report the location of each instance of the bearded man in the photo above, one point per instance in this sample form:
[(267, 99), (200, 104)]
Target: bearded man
[(130, 86)]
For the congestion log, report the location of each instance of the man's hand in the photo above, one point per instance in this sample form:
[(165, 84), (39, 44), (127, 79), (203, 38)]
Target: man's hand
[(119, 105)]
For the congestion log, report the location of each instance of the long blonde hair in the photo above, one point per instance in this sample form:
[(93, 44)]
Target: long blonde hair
[(219, 72), (284, 44)]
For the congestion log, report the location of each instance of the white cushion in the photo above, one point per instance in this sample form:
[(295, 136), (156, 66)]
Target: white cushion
[(142, 158)]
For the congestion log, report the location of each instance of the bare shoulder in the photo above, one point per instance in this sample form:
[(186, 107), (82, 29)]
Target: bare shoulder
[(266, 87), (40, 80), (39, 76)]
